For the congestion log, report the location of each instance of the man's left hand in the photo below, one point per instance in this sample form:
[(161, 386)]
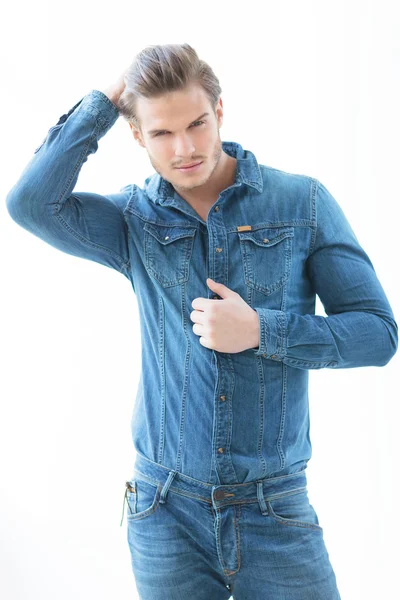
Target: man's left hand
[(225, 325)]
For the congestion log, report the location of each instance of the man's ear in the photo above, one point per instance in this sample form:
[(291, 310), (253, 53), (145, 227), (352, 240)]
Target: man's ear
[(136, 134), (219, 112)]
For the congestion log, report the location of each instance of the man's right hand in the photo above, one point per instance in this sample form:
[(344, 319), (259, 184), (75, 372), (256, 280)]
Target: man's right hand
[(114, 91)]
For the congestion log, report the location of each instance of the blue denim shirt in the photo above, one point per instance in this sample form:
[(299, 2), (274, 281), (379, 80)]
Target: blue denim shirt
[(275, 238)]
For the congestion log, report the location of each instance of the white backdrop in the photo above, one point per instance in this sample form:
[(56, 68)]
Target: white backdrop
[(309, 87)]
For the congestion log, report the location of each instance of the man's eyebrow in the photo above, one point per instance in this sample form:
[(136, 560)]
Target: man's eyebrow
[(206, 114)]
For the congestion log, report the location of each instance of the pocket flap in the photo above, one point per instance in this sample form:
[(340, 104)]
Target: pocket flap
[(167, 234), (267, 236)]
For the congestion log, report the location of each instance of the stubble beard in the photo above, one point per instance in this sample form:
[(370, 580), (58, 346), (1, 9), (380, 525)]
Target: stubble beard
[(215, 157)]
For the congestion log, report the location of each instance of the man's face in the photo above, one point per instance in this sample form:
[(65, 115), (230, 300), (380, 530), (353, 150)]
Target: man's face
[(181, 137)]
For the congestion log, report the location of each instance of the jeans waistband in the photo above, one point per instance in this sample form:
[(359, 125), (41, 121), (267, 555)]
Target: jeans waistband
[(218, 495)]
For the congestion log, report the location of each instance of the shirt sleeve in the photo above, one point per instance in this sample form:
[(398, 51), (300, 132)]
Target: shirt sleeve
[(360, 329), (43, 200)]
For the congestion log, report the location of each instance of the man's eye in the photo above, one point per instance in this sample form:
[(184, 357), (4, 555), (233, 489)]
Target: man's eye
[(164, 132)]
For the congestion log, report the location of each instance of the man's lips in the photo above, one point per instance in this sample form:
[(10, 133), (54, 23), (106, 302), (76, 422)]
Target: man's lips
[(187, 166)]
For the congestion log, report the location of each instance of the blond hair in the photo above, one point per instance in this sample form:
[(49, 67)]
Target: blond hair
[(159, 69)]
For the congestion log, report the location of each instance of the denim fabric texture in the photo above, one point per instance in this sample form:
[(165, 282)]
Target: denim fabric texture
[(250, 541), (218, 419)]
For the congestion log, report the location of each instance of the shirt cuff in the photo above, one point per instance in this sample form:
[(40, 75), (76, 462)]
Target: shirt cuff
[(101, 105), (272, 340), (98, 104)]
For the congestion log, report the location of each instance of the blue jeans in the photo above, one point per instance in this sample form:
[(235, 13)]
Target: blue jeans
[(190, 540)]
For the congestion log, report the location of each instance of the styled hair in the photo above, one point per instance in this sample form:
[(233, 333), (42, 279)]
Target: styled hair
[(159, 69)]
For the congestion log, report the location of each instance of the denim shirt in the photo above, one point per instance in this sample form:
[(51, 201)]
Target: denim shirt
[(275, 238)]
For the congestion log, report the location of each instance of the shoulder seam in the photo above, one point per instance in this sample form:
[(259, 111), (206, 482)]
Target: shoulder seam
[(314, 185)]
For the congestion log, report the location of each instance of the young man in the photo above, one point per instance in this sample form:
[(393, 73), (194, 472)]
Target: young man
[(226, 259)]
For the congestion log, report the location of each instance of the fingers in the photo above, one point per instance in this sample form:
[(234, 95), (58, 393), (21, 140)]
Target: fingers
[(197, 317)]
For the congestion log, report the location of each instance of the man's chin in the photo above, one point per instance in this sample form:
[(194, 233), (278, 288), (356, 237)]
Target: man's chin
[(189, 185)]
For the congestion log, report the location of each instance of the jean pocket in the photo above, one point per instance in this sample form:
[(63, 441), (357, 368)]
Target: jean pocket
[(167, 252), (267, 257), (294, 509), (143, 498)]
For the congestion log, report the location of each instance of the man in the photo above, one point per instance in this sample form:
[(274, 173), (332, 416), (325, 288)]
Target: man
[(226, 259)]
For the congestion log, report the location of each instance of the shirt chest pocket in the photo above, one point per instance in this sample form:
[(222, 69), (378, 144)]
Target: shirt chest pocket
[(267, 257), (167, 252)]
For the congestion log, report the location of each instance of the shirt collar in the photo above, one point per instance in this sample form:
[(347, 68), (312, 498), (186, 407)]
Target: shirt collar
[(159, 189)]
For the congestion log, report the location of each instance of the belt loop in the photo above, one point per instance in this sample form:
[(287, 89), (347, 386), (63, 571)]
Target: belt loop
[(260, 496), (165, 489)]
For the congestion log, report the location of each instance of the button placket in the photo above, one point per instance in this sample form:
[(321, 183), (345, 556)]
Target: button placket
[(218, 270)]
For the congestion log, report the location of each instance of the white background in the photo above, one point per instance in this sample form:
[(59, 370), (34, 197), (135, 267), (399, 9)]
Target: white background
[(309, 87)]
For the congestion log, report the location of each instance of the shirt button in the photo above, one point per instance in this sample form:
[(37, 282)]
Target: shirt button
[(273, 355), (222, 397), (218, 249), (216, 208), (221, 450)]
